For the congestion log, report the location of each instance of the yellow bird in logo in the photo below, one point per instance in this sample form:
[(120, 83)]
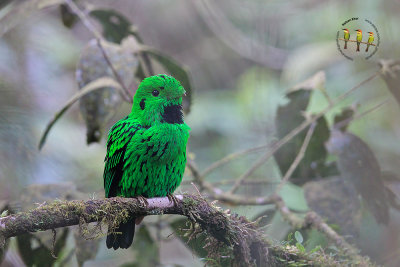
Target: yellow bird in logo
[(370, 40)]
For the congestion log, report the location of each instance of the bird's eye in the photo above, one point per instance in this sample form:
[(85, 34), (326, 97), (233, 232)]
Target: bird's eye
[(155, 93)]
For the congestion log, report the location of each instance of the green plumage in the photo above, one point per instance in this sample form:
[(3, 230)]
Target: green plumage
[(146, 151)]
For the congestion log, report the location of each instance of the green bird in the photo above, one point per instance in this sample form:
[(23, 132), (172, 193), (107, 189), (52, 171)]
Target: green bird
[(346, 37), (370, 40), (146, 151), (359, 39)]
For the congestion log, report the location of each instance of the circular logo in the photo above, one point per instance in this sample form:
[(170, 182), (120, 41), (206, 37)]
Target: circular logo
[(357, 38)]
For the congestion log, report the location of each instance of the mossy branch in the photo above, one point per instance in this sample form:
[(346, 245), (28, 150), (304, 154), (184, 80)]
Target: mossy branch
[(247, 244)]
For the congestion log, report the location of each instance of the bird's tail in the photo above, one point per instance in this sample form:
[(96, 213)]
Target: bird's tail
[(366, 50), (123, 236), (358, 47), (345, 45)]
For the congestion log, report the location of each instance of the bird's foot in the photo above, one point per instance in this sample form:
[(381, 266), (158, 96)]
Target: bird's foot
[(173, 199), (142, 201)]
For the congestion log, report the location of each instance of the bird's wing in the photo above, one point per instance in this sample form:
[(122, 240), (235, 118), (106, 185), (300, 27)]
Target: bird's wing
[(118, 139)]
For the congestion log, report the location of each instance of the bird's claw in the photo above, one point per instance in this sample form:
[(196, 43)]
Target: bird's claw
[(143, 201), (173, 199)]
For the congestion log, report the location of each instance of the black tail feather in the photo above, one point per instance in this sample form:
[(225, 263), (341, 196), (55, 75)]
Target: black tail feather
[(123, 237)]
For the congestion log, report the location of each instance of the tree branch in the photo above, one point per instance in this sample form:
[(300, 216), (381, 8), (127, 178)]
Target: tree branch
[(246, 243), (313, 220), (354, 41)]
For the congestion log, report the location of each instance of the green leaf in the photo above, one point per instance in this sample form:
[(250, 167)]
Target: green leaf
[(115, 25), (300, 247), (90, 87), (4, 213), (358, 165), (317, 248), (298, 237), (176, 70), (290, 237)]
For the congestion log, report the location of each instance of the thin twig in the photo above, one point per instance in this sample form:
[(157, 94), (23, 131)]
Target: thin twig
[(345, 122), (99, 38), (298, 158), (313, 220), (217, 194), (256, 181), (296, 131), (231, 157)]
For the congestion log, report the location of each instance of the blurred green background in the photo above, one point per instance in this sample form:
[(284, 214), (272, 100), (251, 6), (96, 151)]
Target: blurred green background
[(243, 56)]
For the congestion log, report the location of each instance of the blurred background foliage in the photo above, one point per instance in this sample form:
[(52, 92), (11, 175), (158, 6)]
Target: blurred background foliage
[(247, 61)]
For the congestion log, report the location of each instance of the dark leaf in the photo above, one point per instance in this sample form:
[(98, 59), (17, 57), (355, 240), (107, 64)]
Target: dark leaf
[(98, 107), (146, 249), (342, 120), (115, 25), (391, 182), (35, 253), (85, 249), (290, 116), (68, 18), (336, 201), (391, 75), (176, 70), (357, 164)]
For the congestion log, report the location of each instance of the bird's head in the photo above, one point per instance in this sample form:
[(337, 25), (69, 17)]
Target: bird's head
[(158, 99), (346, 30), (371, 33), (359, 31)]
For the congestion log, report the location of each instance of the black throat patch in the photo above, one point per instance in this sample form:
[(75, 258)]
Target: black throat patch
[(173, 114)]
